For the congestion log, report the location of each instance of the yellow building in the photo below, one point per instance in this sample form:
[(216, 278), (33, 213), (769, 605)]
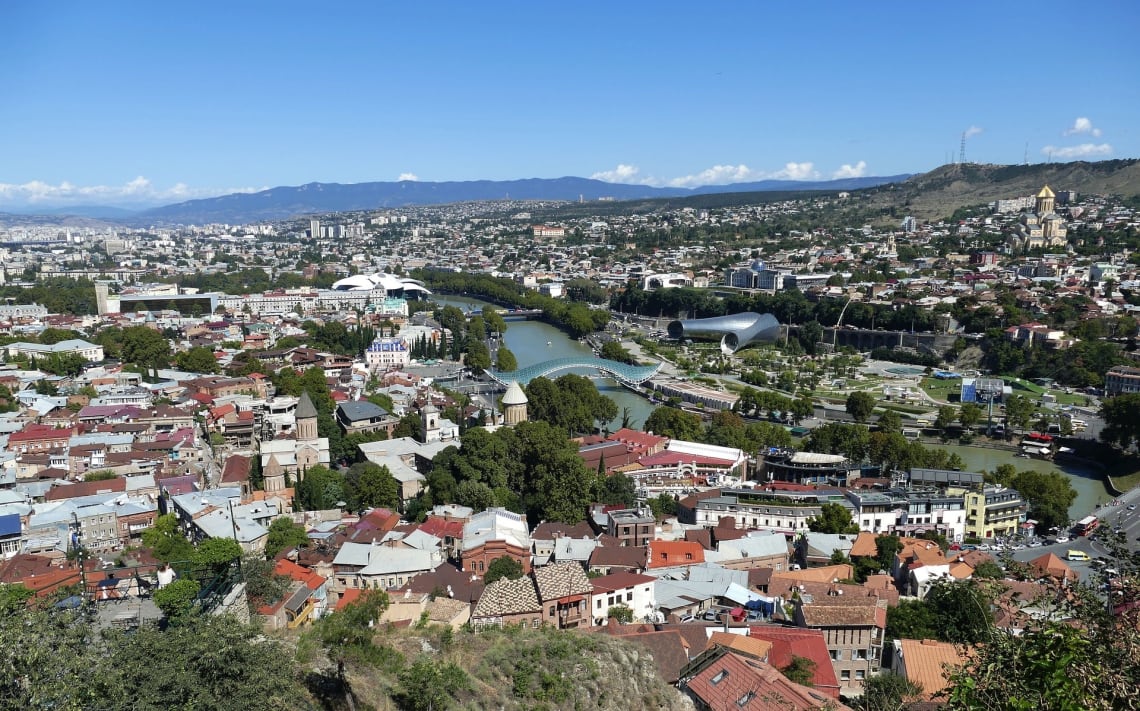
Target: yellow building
[(994, 512)]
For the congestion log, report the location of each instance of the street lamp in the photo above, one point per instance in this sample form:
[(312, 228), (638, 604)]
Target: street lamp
[(76, 543)]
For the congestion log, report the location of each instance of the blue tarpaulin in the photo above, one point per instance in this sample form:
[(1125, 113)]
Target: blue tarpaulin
[(10, 525)]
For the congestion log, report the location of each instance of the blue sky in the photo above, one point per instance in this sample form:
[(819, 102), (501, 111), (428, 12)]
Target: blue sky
[(119, 103)]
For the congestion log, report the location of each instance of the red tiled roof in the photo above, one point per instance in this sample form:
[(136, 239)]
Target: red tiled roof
[(86, 488), (788, 642), (311, 580), (663, 554), (620, 581), (668, 458)]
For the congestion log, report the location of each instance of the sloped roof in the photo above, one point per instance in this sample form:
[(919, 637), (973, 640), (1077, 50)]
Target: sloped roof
[(561, 580), (734, 681), (788, 642), (1052, 566), (507, 597), (305, 407), (514, 395), (923, 662)]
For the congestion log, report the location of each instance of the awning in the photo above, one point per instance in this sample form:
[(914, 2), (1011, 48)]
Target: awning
[(571, 598)]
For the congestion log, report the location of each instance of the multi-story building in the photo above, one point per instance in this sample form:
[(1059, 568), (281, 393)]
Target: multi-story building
[(387, 354), (853, 629), (492, 534), (786, 512), (631, 526), (1121, 380), (994, 511)]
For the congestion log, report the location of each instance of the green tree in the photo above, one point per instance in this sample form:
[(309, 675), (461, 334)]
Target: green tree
[(1049, 494), (145, 347), (166, 541), (801, 670), (1121, 420), (319, 489), (176, 600), (503, 567), (199, 359), (617, 489), (990, 570), (890, 421), (263, 586), (833, 518), (428, 685), (371, 485), (621, 613), (911, 619), (283, 535), (945, 418), (969, 414), (14, 597), (1018, 411), (961, 610), (674, 423), (889, 692), (217, 552), (613, 350), (505, 360), (478, 358), (860, 405)]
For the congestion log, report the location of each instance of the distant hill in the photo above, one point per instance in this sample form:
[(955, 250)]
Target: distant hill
[(316, 198), (940, 192)]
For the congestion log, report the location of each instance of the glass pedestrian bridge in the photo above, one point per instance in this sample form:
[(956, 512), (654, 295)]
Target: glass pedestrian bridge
[(622, 372)]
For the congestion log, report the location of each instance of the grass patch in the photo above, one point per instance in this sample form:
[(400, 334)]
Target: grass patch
[(1125, 482)]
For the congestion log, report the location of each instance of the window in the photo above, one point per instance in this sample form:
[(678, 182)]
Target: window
[(552, 610), (688, 556), (629, 596), (535, 622), (720, 676), (743, 700), (599, 603), (845, 675), (835, 655), (860, 674)]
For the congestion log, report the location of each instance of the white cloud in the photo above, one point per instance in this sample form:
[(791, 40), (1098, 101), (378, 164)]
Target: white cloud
[(850, 171), (408, 176), (796, 171), (621, 174), (973, 131), (1082, 125), (139, 191), (1084, 150), (718, 175)]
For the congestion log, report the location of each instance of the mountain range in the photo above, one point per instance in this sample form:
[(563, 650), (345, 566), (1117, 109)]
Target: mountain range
[(317, 198)]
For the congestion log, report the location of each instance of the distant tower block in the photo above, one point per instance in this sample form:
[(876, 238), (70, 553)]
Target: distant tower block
[(514, 404), (102, 291)]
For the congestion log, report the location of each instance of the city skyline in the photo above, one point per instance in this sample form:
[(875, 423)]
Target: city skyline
[(154, 105)]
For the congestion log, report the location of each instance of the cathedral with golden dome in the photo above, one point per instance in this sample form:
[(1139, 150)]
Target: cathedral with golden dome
[(1042, 228)]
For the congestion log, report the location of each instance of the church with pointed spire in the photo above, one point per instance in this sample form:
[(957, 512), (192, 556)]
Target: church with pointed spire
[(292, 457)]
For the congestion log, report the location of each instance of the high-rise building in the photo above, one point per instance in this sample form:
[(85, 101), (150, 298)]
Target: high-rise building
[(315, 229)]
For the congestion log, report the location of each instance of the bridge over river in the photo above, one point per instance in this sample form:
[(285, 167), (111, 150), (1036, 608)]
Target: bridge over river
[(622, 372)]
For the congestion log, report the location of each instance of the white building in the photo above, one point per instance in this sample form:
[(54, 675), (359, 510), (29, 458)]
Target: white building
[(387, 354), (90, 352), (631, 590)]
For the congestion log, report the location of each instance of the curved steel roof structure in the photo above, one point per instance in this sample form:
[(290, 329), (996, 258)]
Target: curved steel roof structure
[(623, 372), (734, 330)]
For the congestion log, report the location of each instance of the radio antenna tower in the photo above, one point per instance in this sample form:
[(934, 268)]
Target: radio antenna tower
[(962, 151)]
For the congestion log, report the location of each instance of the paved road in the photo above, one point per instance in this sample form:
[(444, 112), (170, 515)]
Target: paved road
[(1112, 517)]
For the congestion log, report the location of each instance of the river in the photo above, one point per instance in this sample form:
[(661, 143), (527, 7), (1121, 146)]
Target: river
[(529, 340), (1090, 488)]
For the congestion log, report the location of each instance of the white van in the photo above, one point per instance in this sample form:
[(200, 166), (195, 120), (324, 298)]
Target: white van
[(1078, 556)]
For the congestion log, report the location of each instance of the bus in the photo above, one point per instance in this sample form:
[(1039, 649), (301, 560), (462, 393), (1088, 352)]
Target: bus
[(1086, 525)]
